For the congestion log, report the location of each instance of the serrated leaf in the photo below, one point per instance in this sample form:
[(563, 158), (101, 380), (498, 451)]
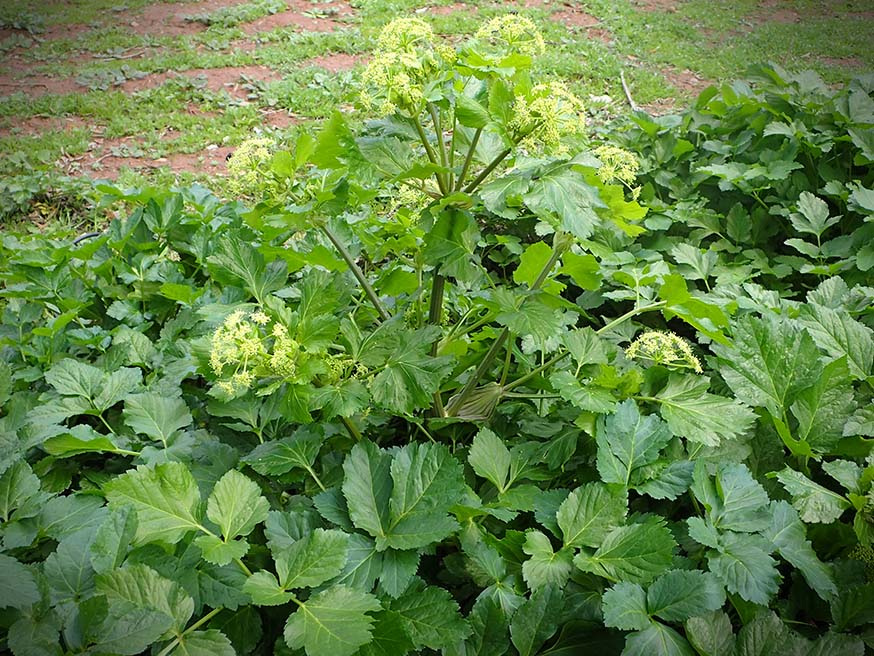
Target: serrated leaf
[(238, 263), (367, 486), (628, 441), (814, 503), (583, 269), (236, 505), (334, 621), (18, 486), (113, 539), (812, 216), (822, 409), (363, 563), (853, 607), (744, 567), (589, 513), (17, 584), (278, 457), (165, 498), (490, 458), (70, 377), (345, 399), (69, 570), (398, 570), (545, 567), (531, 263), (771, 361), (734, 500), (63, 516), (313, 559), (587, 397), (711, 634), (265, 590), (156, 416), (624, 607), (217, 551), (563, 198), (679, 595), (657, 640), (127, 630), (389, 637), (692, 412), (204, 643), (637, 553), (536, 620), (430, 616), (668, 482), (787, 534), (451, 244)]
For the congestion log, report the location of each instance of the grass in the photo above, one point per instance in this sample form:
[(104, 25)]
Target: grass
[(666, 50)]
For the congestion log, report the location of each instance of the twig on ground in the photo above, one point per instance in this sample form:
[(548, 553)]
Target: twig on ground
[(627, 91)]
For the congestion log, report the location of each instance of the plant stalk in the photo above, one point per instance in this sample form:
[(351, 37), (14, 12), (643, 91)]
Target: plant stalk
[(629, 314), (488, 169), (438, 131), (429, 150), (468, 160), (359, 274), (199, 623)]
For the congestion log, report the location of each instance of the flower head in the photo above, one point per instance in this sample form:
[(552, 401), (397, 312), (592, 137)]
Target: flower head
[(617, 165), (393, 81), (512, 34), (246, 166), (547, 114), (664, 348), (405, 35)]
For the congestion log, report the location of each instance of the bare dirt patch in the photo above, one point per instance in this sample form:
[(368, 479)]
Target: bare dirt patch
[(279, 119), (335, 62), (230, 79), (37, 85), (843, 62), (171, 19), (656, 5), (304, 16), (574, 18), (447, 10), (776, 11), (600, 34), (37, 125), (103, 163), (686, 81)]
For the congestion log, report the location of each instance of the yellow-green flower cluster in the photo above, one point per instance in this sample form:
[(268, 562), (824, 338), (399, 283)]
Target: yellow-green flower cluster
[(512, 34), (617, 165), (247, 166), (545, 115), (664, 348), (408, 57), (865, 554)]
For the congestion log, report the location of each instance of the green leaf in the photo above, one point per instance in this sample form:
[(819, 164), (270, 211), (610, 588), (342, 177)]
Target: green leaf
[(156, 416), (679, 595), (312, 560), (265, 590), (389, 637), (503, 196), (490, 458), (531, 263), (18, 486), (787, 534), (63, 516), (582, 269), (278, 457), (734, 500), (744, 566), (545, 567), (823, 408), (143, 587), (657, 640), (536, 620), (624, 607), (668, 482), (411, 375), (398, 570), (344, 399), (165, 498), (237, 263), (627, 442), (128, 630), (80, 439), (236, 505), (69, 570), (814, 503), (699, 416), (367, 486), (637, 553), (70, 377), (427, 481), (113, 539), (430, 616), (564, 199), (204, 643), (217, 551), (451, 245), (711, 634), (591, 512), (771, 361), (334, 621), (853, 607), (17, 584), (587, 397), (470, 113), (363, 563), (812, 216), (838, 334)]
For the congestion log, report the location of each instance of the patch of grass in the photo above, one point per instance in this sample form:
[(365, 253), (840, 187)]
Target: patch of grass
[(34, 152), (311, 92), (236, 14)]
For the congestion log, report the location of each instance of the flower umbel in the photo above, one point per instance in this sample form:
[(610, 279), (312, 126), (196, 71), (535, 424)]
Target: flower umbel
[(405, 35), (617, 165), (545, 115), (512, 34), (246, 167), (664, 348)]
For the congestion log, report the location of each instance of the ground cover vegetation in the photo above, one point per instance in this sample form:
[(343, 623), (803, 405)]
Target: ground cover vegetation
[(460, 378)]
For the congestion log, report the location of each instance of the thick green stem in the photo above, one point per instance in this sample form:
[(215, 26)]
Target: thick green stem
[(438, 131), (488, 169), (199, 623), (451, 181), (468, 160), (435, 316), (359, 274), (531, 374), (429, 150), (629, 314), (353, 430)]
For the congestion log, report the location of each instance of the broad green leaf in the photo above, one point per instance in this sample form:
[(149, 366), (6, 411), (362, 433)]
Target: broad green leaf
[(564, 199), (657, 640), (18, 486), (853, 607), (367, 486), (312, 560), (219, 552), (17, 584), (363, 563), (706, 317), (624, 607), (692, 412), (237, 263), (278, 457), (411, 375), (591, 512), (668, 482), (69, 570), (536, 620), (156, 416), (80, 439), (772, 359), (35, 636), (265, 590), (346, 398), (763, 636), (117, 386), (427, 481), (637, 553), (70, 377), (63, 516), (451, 245), (282, 529), (490, 458), (812, 216), (814, 503), (236, 505), (628, 441), (531, 263), (503, 196), (398, 570), (129, 630), (583, 269), (204, 643), (430, 616), (389, 637), (734, 500), (703, 532), (711, 634), (787, 534), (470, 113), (113, 539), (165, 497), (823, 408), (679, 595), (585, 396), (585, 346), (744, 566), (545, 567), (528, 314), (334, 621), (143, 587), (489, 625)]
